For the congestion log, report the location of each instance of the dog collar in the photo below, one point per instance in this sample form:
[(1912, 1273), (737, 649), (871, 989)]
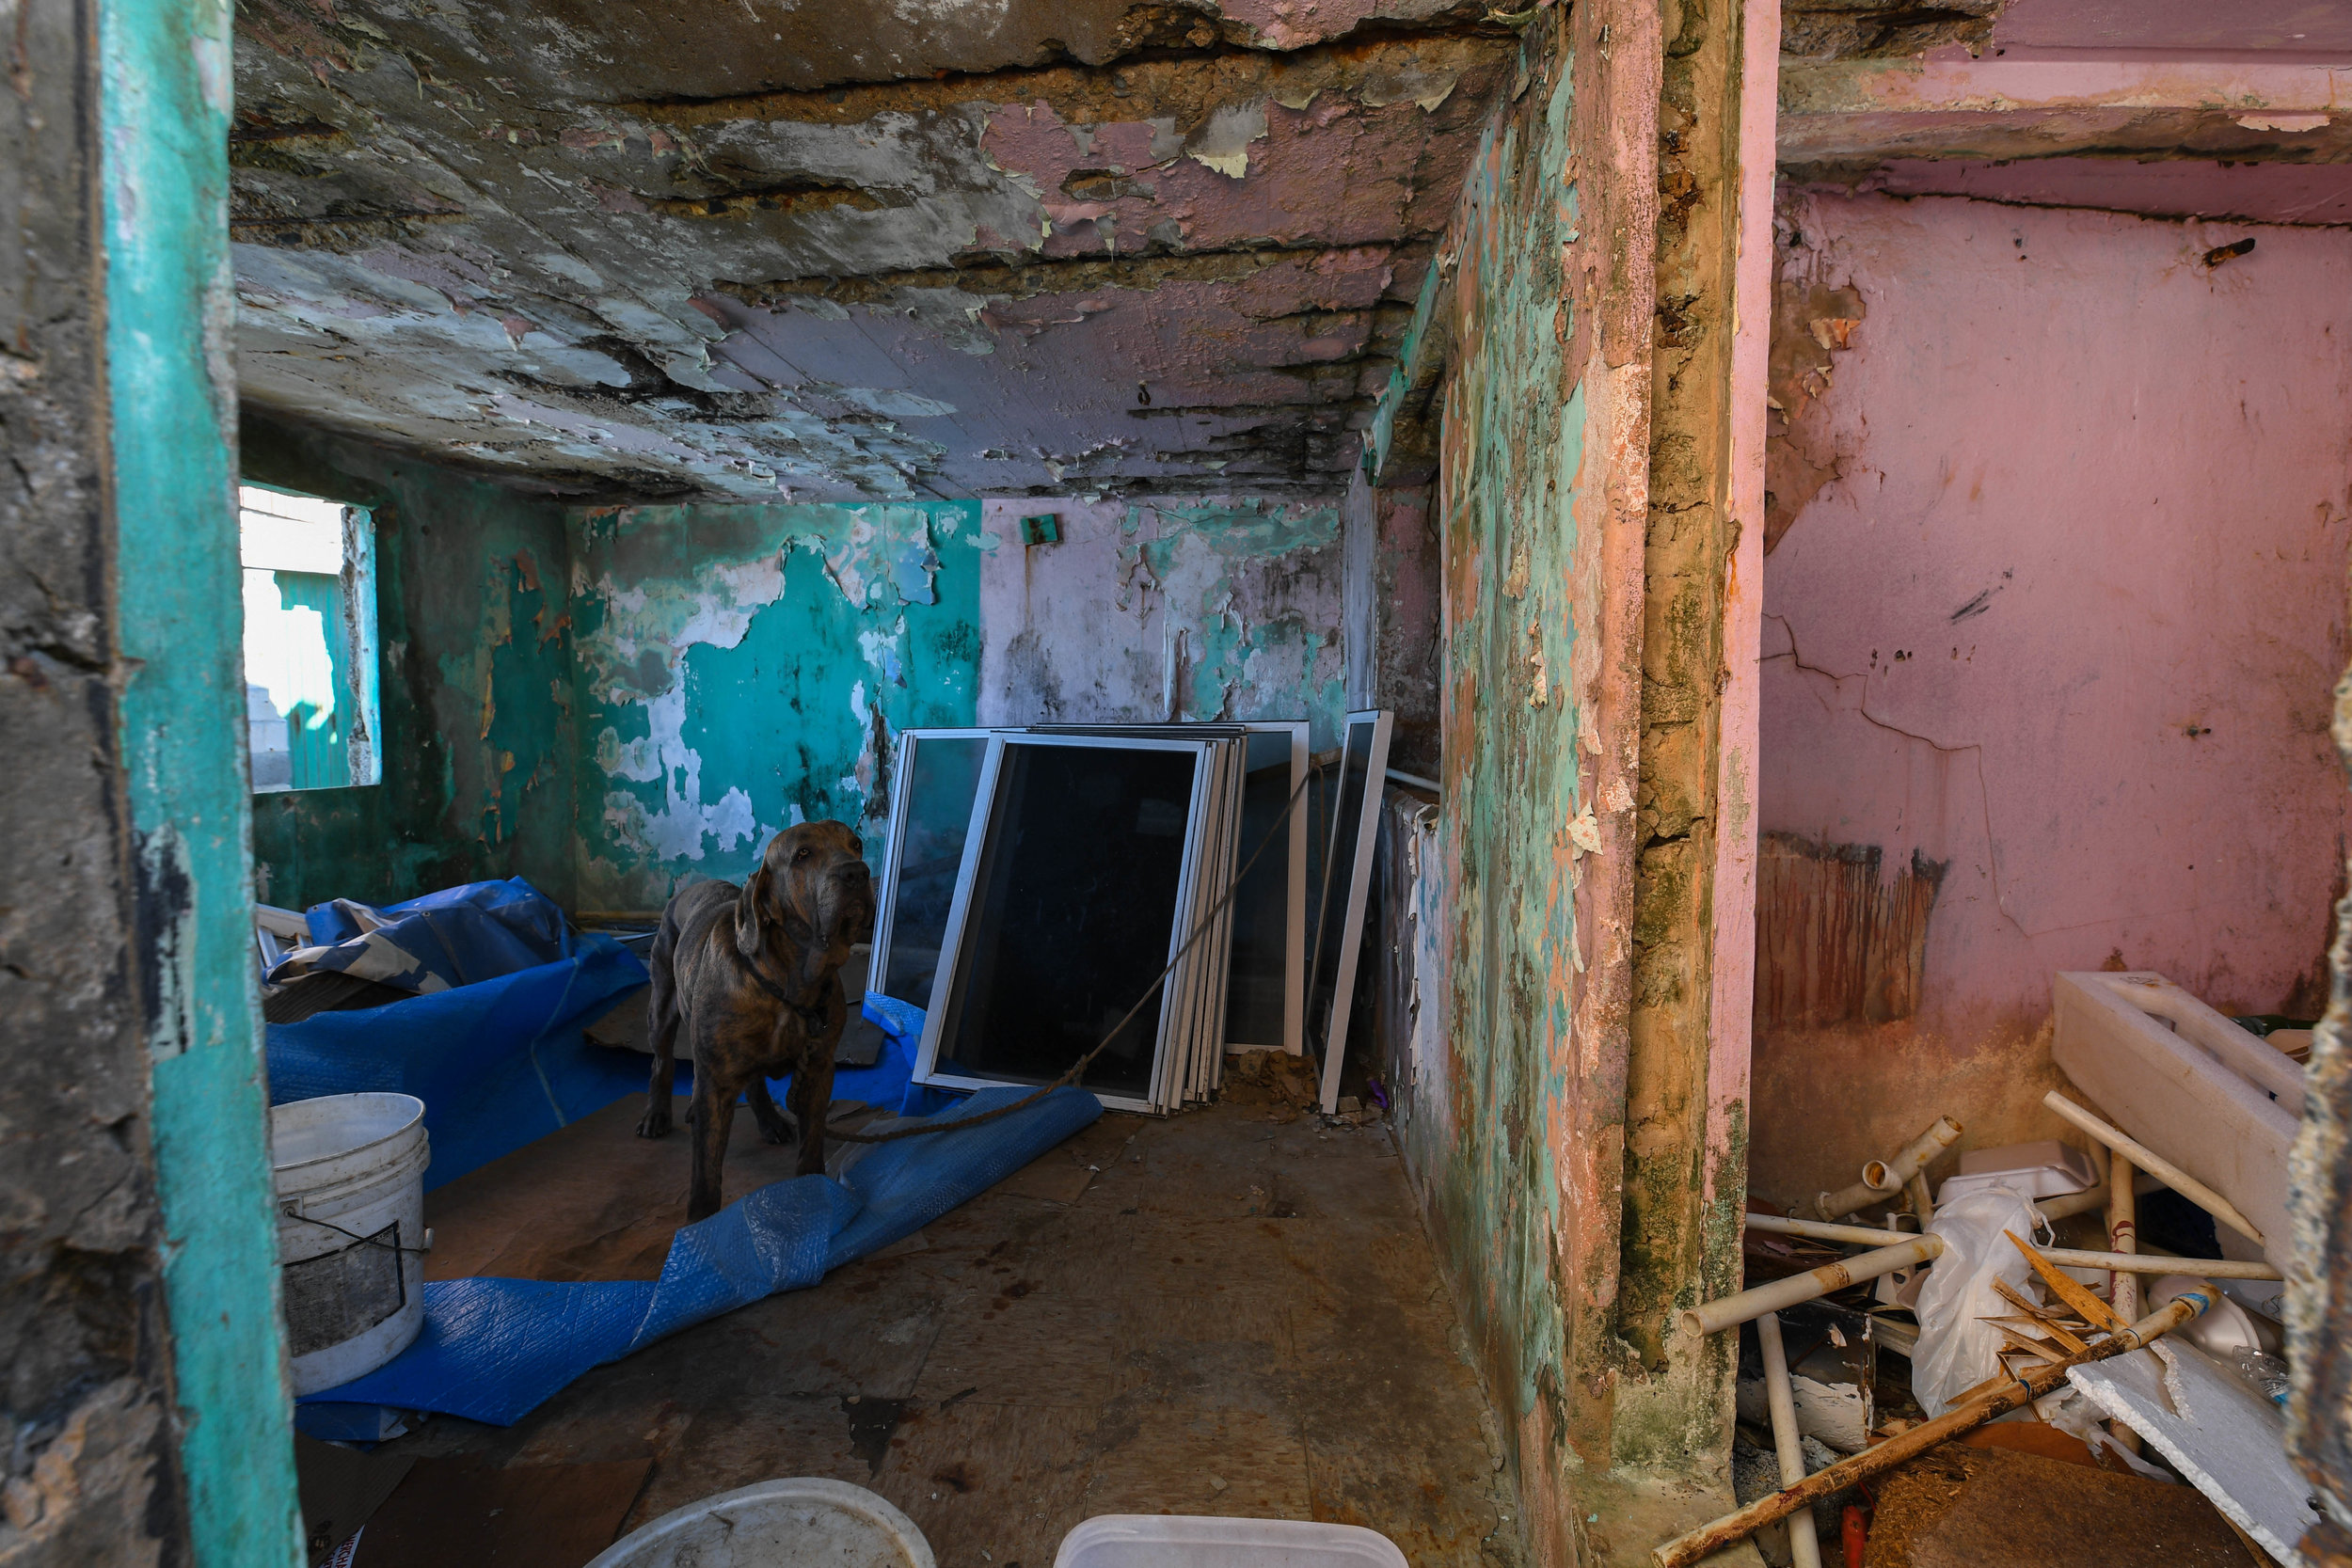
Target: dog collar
[(814, 1016)]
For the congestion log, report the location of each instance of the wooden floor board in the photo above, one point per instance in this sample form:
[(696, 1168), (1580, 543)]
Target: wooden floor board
[(1223, 1315)]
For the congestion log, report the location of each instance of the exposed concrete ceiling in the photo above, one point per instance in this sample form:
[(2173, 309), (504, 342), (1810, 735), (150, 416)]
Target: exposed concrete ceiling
[(757, 248), (2177, 108)]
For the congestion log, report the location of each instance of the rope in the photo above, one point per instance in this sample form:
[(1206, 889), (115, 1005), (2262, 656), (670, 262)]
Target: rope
[(1078, 1068), (288, 1211)]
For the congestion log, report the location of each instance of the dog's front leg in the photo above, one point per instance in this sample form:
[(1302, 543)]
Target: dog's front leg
[(656, 1123), (663, 1018), (812, 1098), (713, 1115), (773, 1127)]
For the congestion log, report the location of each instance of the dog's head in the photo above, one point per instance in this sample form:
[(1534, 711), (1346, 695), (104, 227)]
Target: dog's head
[(811, 887)]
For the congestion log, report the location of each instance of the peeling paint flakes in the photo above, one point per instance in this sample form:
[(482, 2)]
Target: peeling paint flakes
[(1584, 833), (677, 831), (1223, 143)]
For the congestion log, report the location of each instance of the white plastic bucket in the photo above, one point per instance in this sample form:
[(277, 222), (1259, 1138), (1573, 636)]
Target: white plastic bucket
[(806, 1522), (1179, 1540), (351, 1236)]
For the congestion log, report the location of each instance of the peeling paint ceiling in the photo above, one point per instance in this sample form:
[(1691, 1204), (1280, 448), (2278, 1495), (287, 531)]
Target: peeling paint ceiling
[(759, 250)]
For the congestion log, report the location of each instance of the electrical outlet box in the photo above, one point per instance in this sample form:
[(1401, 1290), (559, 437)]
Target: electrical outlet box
[(1044, 529)]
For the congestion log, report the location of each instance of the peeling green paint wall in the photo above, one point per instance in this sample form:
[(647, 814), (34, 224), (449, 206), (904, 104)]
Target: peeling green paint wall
[(1517, 1134), (474, 625), (743, 667), (163, 131)]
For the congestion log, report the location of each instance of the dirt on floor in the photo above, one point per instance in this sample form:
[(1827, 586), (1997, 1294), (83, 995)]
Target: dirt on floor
[(1231, 1311)]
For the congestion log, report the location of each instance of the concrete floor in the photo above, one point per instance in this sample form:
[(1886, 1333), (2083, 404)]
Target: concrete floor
[(1230, 1315)]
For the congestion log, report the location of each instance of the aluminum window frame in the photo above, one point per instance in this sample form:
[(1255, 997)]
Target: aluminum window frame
[(952, 954), (1381, 723), (893, 835)]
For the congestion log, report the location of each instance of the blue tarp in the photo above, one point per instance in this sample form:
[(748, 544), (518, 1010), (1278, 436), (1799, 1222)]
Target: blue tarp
[(459, 936), (498, 1063), (492, 1044), (493, 1350)]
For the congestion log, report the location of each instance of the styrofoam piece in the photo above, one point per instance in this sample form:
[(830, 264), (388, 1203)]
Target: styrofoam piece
[(2045, 1169), (1180, 1541), (2184, 1080), (2223, 1329), (1837, 1413), (2226, 1439), (806, 1522)]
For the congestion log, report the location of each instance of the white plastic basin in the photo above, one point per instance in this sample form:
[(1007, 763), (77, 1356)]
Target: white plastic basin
[(803, 1522), (1173, 1541)]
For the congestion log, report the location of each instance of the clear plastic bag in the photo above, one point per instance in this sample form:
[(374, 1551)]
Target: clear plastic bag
[(1956, 1351)]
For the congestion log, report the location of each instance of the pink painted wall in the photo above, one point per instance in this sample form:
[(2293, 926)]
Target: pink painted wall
[(2067, 618)]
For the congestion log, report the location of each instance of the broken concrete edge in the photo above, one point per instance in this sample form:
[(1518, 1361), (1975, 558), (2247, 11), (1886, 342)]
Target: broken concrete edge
[(163, 120)]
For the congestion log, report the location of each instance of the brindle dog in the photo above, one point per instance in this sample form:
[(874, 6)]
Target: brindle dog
[(753, 975)]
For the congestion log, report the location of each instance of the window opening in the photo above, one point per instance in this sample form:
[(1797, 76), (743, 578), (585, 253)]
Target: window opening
[(309, 641)]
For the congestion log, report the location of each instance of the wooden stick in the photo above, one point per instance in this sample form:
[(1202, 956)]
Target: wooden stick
[(2156, 1165), (2026, 1305), (2047, 1350), (1715, 1316), (1788, 1446), (1708, 1539), (2097, 1313)]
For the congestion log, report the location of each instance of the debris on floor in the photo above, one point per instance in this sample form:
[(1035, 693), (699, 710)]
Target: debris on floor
[(1041, 1358), (461, 1511), (493, 1350), (2112, 1402), (1967, 1506)]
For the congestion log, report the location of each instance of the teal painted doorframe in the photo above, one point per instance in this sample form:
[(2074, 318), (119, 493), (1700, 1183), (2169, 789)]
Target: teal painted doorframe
[(164, 105)]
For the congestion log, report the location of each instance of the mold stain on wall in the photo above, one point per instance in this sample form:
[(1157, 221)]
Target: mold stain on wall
[(474, 625), (2096, 693), (1192, 609), (724, 700), (1515, 1134)]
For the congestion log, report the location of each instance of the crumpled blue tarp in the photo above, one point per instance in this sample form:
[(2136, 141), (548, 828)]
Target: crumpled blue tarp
[(493, 1350), (459, 936), (499, 1062)]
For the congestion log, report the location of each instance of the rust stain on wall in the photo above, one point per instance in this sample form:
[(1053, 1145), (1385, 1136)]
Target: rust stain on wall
[(1813, 321), (1836, 940)]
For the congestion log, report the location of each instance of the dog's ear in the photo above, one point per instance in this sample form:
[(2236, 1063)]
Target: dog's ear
[(748, 940)]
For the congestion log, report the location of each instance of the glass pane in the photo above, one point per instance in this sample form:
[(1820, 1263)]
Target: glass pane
[(1073, 915), (1259, 977), (1345, 816), (943, 779)]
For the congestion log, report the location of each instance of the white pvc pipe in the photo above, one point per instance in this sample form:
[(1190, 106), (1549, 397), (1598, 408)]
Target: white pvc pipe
[(1715, 1316), (1804, 1546), (1821, 1230), (2122, 1285), (1883, 1179), (2156, 1262), (2126, 1262), (2157, 1165), (1915, 1193), (2122, 1236)]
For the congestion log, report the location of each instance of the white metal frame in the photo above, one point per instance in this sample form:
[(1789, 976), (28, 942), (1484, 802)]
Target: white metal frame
[(894, 832), (1358, 885), (1294, 932), (951, 957)]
